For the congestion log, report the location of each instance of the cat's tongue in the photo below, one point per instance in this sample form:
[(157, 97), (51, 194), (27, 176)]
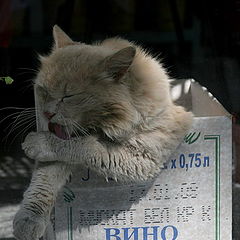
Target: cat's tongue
[(58, 130)]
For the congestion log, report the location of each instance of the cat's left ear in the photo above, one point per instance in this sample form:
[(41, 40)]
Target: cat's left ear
[(118, 63), (61, 39)]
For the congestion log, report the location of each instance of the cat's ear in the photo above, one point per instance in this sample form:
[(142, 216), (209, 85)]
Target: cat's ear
[(61, 39), (118, 63)]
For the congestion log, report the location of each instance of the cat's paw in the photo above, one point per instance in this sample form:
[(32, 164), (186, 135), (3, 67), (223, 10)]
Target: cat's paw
[(37, 145), (28, 226)]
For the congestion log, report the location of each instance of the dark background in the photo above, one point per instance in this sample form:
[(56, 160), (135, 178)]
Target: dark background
[(197, 39)]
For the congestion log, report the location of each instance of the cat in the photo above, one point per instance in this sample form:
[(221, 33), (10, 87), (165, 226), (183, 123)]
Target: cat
[(106, 106)]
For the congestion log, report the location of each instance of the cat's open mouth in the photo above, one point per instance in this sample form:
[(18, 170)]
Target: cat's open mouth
[(58, 130)]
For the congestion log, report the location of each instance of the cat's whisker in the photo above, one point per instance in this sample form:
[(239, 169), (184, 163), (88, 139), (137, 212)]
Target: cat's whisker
[(76, 129), (31, 80), (30, 125), (15, 128), (27, 124), (12, 115), (20, 119), (23, 134), (23, 119), (16, 108), (75, 132), (26, 84), (26, 87), (23, 114), (80, 128), (21, 73), (66, 126), (26, 111), (22, 122), (5, 139), (30, 70)]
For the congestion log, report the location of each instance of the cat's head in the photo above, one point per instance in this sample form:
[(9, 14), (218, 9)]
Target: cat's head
[(83, 88)]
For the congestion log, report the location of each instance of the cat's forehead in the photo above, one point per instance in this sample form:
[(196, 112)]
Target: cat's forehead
[(62, 81), (77, 55), (72, 63)]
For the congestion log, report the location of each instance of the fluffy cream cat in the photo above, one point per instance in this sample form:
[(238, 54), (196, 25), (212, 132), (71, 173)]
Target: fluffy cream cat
[(105, 106)]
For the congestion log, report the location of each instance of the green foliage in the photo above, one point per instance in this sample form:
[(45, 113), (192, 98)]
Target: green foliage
[(7, 80)]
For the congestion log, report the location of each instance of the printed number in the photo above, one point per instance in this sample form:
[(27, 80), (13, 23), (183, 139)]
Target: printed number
[(192, 160)]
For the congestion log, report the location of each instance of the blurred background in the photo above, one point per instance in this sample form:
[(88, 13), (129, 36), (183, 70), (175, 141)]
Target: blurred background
[(197, 39)]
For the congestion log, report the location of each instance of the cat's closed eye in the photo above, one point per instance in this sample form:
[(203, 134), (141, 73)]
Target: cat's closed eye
[(67, 97), (72, 98)]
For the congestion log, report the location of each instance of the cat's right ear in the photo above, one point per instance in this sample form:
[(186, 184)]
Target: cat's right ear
[(118, 63), (61, 39)]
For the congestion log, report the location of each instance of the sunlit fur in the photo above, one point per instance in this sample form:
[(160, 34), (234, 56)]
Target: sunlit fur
[(139, 102), (115, 99)]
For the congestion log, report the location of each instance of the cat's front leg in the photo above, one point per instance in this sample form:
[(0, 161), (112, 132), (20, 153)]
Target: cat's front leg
[(40, 146), (31, 220), (46, 147)]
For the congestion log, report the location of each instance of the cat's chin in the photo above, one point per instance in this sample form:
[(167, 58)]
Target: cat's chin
[(58, 130)]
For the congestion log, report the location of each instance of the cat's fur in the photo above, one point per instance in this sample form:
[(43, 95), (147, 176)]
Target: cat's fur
[(120, 95)]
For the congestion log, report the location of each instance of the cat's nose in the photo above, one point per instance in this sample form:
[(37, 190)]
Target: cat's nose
[(49, 115)]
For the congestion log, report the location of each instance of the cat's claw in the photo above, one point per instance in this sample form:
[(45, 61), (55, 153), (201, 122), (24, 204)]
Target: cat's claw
[(27, 226)]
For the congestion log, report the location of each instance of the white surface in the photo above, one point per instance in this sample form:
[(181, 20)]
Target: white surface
[(7, 213), (190, 199), (195, 202)]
